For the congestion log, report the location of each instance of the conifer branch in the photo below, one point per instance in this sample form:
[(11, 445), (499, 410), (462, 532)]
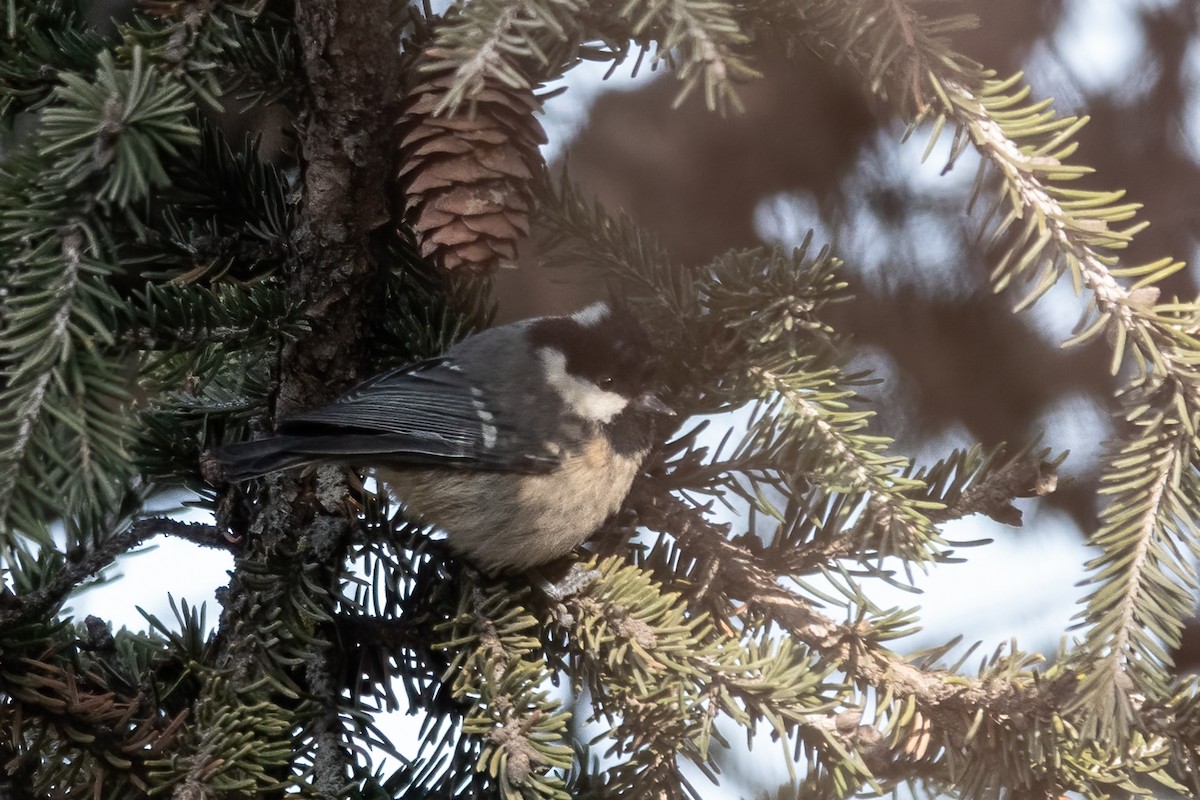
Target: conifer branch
[(1064, 230), (991, 490), (493, 41), (175, 317), (858, 471), (17, 610), (661, 677), (52, 39), (190, 41), (29, 378), (105, 729), (703, 37), (1148, 524), (1070, 231), (1131, 637), (947, 703), (518, 727), (133, 119), (894, 516), (1069, 236), (57, 348), (237, 743), (486, 59)]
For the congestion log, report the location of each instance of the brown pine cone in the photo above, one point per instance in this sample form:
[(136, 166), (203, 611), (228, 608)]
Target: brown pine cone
[(466, 176)]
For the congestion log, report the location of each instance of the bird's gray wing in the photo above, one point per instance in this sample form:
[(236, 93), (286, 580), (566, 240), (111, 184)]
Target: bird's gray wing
[(425, 414)]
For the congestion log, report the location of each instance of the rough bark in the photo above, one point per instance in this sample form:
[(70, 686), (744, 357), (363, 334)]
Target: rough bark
[(352, 67)]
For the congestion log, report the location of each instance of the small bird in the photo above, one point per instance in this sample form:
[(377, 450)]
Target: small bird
[(518, 442)]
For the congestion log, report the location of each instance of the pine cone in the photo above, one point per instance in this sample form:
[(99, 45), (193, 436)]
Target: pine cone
[(466, 176)]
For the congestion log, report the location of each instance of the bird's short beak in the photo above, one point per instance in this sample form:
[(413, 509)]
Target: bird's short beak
[(650, 402)]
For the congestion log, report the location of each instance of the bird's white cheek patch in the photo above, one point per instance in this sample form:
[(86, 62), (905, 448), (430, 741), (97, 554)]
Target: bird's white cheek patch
[(583, 397), (593, 315)]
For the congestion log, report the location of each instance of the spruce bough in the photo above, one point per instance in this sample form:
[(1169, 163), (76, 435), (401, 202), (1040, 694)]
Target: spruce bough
[(165, 289)]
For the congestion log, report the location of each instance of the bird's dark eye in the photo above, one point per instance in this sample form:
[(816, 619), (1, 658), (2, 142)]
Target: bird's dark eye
[(605, 382)]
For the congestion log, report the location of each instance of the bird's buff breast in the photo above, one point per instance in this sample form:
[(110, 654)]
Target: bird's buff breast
[(506, 521)]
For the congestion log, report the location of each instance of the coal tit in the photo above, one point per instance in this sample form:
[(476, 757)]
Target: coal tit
[(518, 442)]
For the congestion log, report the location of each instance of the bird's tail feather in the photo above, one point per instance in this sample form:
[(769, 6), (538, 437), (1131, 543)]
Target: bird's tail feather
[(246, 460), (240, 462)]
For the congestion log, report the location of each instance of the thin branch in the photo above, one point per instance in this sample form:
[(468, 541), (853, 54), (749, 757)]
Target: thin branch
[(1024, 477), (41, 602), (1147, 532), (194, 532), (949, 705), (331, 758)]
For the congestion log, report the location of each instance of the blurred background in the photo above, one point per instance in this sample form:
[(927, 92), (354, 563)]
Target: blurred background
[(813, 150)]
